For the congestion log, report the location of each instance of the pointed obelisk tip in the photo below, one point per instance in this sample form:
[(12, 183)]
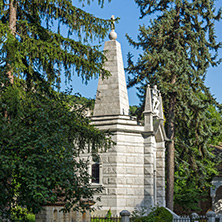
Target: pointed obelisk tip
[(112, 34)]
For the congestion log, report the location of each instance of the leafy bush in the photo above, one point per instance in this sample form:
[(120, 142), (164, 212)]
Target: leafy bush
[(158, 214), (31, 217), (22, 214), (142, 219), (139, 212)]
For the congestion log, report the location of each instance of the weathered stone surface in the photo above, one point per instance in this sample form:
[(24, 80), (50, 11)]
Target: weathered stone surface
[(105, 180), (112, 180), (121, 180), (160, 172), (134, 169), (139, 160), (130, 159), (130, 180), (112, 97), (54, 213), (148, 181), (112, 159), (138, 181), (149, 159), (139, 192), (130, 170), (112, 191)]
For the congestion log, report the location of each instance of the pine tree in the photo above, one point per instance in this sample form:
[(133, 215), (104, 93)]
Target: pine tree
[(178, 47), (43, 130), (33, 48)]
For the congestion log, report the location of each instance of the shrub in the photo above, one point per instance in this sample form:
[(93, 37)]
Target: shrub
[(31, 217), (158, 214), (22, 214)]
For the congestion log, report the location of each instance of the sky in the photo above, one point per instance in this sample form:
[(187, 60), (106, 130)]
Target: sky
[(129, 22)]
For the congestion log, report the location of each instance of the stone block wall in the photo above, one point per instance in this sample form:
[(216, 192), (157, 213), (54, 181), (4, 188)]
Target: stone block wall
[(54, 214), (160, 173), (123, 173)]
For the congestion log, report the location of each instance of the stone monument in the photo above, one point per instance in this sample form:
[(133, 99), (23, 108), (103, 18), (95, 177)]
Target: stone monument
[(133, 171)]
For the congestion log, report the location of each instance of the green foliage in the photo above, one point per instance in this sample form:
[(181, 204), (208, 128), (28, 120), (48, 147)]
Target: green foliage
[(38, 51), (43, 132), (158, 214), (187, 191), (193, 170), (21, 214), (40, 138), (109, 214), (178, 47), (138, 212), (82, 102), (215, 115), (31, 217), (135, 111)]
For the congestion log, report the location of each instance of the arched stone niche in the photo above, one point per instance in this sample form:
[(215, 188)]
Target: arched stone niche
[(216, 194), (55, 215)]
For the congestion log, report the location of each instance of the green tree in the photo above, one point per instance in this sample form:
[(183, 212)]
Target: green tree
[(33, 47), (178, 47), (41, 137), (194, 171), (44, 132)]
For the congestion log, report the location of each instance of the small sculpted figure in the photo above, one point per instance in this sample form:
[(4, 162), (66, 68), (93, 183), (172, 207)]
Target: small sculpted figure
[(155, 100)]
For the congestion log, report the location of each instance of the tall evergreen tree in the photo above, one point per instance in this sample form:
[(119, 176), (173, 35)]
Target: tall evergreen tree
[(42, 131), (178, 47), (33, 47)]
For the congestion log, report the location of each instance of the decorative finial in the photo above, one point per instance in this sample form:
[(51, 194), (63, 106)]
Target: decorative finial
[(112, 34)]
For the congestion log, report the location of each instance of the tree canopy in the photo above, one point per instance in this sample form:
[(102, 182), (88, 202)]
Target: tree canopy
[(33, 46), (43, 132), (178, 47), (38, 146)]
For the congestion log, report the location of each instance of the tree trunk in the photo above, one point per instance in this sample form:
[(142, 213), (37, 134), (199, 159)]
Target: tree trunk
[(12, 27), (171, 130), (170, 156), (170, 150), (170, 175)]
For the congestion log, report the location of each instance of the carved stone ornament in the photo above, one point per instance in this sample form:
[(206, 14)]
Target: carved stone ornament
[(155, 100)]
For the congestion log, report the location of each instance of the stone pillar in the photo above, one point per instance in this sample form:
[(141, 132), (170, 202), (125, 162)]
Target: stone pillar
[(125, 214), (149, 151), (219, 217), (195, 217), (148, 111), (149, 167), (211, 216), (160, 173)]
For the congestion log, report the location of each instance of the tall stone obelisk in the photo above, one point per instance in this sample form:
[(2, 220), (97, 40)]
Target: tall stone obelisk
[(132, 172), (112, 97)]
